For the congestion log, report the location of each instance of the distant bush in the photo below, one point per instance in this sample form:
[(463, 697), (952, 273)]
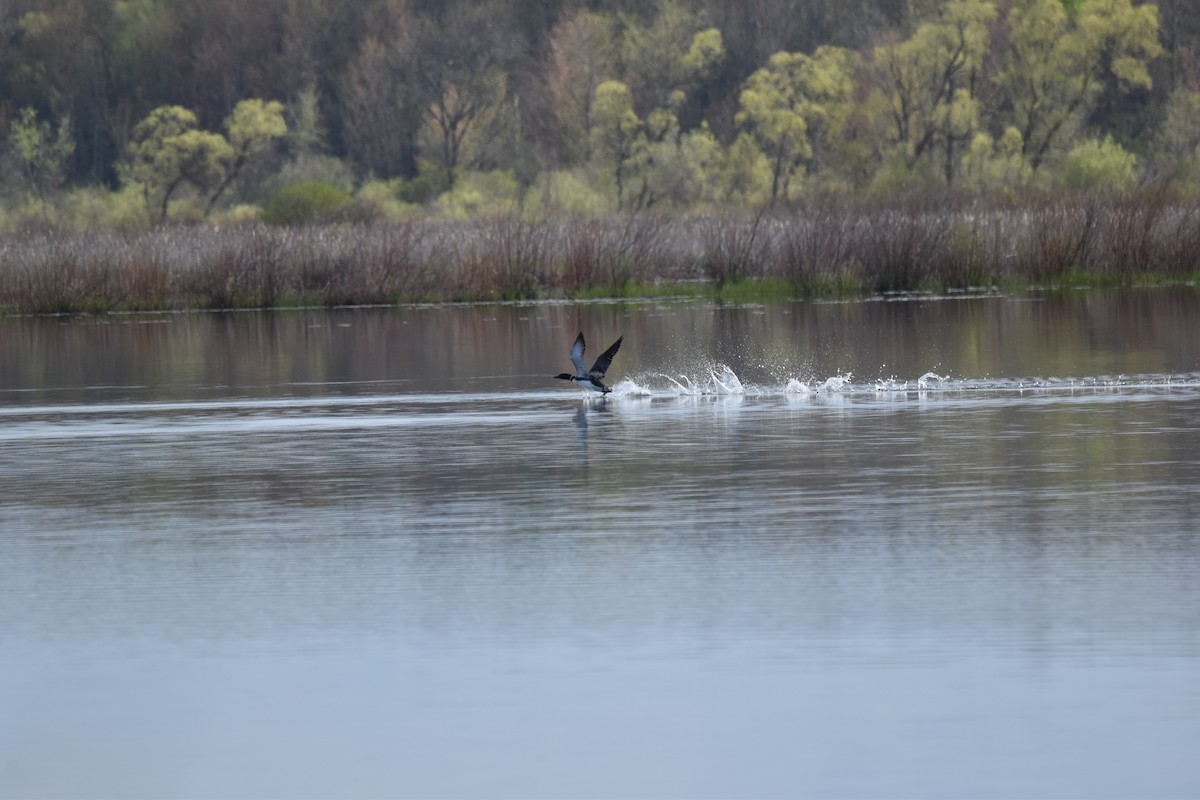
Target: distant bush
[(239, 215), (480, 194), (304, 168), (419, 190), (1099, 165), (568, 192), (303, 203), (381, 200), (98, 208)]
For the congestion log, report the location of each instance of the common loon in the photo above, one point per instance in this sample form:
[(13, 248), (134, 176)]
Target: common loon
[(593, 378)]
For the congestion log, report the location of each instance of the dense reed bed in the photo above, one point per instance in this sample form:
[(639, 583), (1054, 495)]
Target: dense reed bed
[(831, 248)]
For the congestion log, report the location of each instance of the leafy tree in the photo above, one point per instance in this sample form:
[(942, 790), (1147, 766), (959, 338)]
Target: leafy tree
[(794, 104), (667, 165), (703, 160), (670, 59), (1058, 60), (251, 128), (746, 173), (306, 134), (705, 52), (1177, 145), (653, 52), (664, 172), (929, 83), (618, 143), (42, 153), (168, 152)]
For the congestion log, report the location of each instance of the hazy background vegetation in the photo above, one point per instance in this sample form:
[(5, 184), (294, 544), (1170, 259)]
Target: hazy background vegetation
[(130, 112)]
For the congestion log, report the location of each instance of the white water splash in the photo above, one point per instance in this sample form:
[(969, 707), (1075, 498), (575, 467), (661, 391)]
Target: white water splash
[(720, 380), (726, 382), (628, 387), (929, 381), (836, 383)]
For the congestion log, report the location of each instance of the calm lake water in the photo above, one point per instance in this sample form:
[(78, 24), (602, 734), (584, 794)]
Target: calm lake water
[(909, 548)]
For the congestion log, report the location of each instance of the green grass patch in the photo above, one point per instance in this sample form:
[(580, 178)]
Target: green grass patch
[(635, 289), (754, 290)]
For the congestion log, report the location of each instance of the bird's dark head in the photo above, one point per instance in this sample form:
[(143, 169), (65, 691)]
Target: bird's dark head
[(565, 376)]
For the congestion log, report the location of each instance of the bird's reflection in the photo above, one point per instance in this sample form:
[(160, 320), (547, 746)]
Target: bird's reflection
[(589, 407)]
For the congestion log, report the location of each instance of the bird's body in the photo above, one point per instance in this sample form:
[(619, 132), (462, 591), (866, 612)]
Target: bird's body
[(590, 378)]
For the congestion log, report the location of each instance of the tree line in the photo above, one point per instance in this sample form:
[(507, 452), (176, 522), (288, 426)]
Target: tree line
[(139, 110)]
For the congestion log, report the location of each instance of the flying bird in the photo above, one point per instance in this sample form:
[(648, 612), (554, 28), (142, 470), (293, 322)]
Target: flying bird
[(594, 378)]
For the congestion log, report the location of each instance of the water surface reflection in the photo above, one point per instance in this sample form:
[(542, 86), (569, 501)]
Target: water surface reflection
[(375, 552)]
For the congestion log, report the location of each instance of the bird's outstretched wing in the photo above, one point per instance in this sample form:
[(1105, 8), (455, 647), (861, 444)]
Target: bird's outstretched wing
[(605, 360), (577, 356)]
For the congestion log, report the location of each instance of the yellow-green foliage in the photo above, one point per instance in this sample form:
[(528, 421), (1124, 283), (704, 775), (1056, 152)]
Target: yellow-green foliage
[(897, 174), (990, 166), (169, 152), (618, 142), (702, 158), (706, 51), (41, 152), (253, 124), (1098, 164), (675, 51), (97, 207), (664, 174), (480, 194), (671, 105), (1178, 142), (251, 127), (311, 167), (573, 192), (1055, 64), (616, 124), (240, 214), (795, 102), (1125, 35), (650, 162), (303, 203), (745, 173), (927, 81), (380, 199), (23, 213)]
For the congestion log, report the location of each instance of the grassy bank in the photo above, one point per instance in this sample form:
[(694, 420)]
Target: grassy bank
[(836, 248)]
